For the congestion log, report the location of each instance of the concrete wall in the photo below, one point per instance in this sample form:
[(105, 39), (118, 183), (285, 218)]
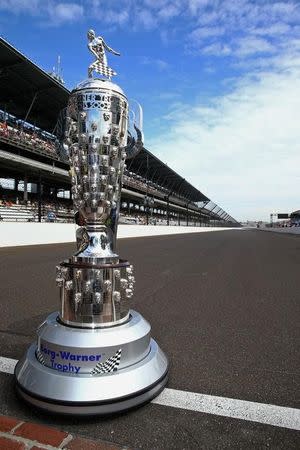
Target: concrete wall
[(16, 233), (285, 230)]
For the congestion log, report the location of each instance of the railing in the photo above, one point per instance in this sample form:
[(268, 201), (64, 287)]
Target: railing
[(29, 213), (149, 190), (38, 145), (26, 142), (24, 213)]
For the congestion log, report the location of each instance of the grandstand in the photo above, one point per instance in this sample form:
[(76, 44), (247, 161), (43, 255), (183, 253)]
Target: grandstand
[(35, 183)]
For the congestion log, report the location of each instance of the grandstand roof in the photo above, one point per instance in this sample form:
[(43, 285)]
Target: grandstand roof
[(23, 83), (21, 80), (26, 91), (150, 167)]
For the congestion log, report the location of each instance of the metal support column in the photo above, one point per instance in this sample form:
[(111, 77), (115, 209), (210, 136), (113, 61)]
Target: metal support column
[(216, 206), (187, 215), (30, 107), (168, 211), (16, 184), (25, 195), (221, 219), (39, 192), (147, 215)]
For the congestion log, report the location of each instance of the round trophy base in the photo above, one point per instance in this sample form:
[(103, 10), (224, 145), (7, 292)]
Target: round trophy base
[(60, 390)]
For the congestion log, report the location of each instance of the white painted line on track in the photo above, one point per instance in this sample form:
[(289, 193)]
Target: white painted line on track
[(277, 416), (7, 365)]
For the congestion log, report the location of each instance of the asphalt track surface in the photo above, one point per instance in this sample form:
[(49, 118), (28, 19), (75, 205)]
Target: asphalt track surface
[(224, 306)]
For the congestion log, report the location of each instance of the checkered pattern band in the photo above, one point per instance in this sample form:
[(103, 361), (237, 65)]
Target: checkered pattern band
[(110, 365), (40, 357), (101, 68)]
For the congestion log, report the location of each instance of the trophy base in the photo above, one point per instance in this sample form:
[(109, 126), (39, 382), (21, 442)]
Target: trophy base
[(141, 373)]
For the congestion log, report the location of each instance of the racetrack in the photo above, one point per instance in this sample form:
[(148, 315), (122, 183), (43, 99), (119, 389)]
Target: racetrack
[(223, 306)]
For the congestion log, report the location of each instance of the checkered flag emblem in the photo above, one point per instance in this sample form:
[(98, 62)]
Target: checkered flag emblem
[(40, 357), (110, 365), (101, 68)]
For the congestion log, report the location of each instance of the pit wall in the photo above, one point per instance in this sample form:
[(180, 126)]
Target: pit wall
[(285, 230), (15, 233)]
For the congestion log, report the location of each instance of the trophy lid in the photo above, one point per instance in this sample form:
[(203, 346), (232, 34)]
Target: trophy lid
[(98, 83)]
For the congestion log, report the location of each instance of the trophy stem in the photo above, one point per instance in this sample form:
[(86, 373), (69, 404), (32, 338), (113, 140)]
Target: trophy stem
[(95, 244)]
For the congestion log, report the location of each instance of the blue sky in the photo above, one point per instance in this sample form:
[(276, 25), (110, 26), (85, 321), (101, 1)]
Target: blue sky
[(219, 81)]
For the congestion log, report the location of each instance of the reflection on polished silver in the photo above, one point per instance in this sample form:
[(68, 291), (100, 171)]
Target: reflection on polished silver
[(94, 296), (95, 356), (96, 140), (97, 46)]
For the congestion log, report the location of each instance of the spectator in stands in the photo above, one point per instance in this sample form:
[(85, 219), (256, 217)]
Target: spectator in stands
[(4, 129), (26, 135), (51, 217)]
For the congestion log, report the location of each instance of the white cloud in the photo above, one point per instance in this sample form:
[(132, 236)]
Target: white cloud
[(156, 4), (49, 12), (208, 18), (246, 27), (170, 10), (205, 32), (160, 64), (284, 8), (275, 29), (116, 17), (195, 5), (216, 49), (20, 6), (194, 20), (65, 12), (251, 45), (243, 149), (146, 19)]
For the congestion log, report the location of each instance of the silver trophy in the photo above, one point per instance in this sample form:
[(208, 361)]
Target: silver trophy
[(95, 356)]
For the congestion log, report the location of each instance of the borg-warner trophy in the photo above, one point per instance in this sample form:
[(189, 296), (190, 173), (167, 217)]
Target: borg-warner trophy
[(95, 356)]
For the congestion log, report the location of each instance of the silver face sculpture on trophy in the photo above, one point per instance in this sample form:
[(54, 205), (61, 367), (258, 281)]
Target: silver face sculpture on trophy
[(95, 356)]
